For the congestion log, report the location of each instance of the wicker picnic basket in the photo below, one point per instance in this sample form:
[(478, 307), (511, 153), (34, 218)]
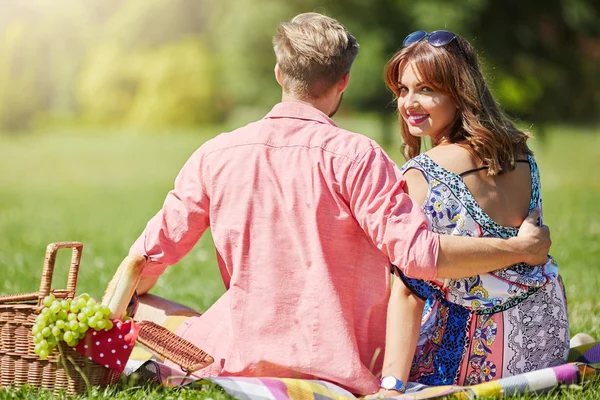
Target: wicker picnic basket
[(71, 371)]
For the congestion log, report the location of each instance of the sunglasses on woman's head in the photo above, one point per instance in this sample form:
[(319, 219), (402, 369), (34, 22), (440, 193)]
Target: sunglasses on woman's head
[(435, 38)]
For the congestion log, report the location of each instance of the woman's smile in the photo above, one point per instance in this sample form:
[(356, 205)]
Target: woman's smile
[(417, 119)]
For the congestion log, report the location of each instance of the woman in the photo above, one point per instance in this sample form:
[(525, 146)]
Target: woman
[(479, 179)]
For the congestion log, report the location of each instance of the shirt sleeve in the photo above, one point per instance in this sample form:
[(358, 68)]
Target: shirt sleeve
[(184, 217), (388, 216)]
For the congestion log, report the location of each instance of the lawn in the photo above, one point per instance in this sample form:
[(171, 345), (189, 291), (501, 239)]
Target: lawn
[(101, 188)]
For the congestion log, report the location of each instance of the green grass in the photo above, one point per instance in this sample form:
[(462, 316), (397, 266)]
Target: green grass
[(125, 391), (102, 189)]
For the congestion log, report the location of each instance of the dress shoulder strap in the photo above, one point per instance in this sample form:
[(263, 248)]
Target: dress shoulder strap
[(484, 167), (472, 170), (419, 162), (536, 192)]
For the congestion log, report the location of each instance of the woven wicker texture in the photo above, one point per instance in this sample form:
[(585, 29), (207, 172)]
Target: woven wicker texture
[(18, 362), (168, 345)]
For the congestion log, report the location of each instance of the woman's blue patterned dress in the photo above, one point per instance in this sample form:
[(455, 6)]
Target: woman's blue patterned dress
[(487, 326)]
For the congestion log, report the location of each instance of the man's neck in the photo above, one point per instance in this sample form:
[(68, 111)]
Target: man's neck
[(322, 104)]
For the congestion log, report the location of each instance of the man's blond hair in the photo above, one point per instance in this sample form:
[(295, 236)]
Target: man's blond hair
[(313, 52)]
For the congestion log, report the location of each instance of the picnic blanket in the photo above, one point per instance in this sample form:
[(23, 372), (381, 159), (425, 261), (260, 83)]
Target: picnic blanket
[(297, 389), (584, 365)]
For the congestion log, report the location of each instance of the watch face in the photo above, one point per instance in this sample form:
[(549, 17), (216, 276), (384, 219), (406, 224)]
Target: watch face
[(388, 382)]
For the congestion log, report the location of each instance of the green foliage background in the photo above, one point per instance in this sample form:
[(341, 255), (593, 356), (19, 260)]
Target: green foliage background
[(158, 63)]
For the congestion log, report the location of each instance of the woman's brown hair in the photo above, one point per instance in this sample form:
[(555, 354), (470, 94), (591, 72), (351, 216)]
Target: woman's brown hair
[(480, 125)]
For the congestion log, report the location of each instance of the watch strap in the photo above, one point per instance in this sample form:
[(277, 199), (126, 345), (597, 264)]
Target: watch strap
[(392, 383)]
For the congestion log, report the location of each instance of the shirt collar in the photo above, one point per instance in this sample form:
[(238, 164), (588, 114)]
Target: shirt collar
[(289, 109)]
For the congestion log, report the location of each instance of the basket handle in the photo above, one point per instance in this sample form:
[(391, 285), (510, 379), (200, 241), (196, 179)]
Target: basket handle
[(48, 270)]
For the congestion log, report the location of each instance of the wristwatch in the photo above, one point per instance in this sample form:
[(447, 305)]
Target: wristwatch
[(392, 383)]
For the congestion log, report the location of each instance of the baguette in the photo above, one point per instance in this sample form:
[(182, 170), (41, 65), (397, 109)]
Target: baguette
[(123, 284)]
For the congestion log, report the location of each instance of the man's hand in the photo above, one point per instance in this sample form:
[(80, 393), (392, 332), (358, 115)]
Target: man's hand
[(534, 239)]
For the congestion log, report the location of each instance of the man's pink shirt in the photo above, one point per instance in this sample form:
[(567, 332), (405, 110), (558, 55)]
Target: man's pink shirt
[(306, 219)]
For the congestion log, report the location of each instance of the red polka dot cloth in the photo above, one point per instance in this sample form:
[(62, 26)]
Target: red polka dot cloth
[(110, 348)]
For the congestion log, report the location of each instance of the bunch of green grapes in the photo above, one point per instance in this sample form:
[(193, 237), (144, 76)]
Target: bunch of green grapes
[(67, 320)]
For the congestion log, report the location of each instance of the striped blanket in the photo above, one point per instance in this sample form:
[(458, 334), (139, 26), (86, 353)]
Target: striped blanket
[(584, 364), (297, 389)]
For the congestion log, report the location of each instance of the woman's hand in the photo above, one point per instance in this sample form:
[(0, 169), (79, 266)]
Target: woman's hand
[(383, 394)]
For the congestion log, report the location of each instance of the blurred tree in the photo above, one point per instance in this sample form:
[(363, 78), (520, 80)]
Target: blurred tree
[(159, 62), (20, 97), (137, 25), (151, 67), (171, 85), (107, 84), (41, 56), (176, 86), (545, 56)]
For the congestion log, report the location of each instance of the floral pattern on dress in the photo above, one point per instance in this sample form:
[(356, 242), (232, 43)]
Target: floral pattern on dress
[(484, 336), (460, 324)]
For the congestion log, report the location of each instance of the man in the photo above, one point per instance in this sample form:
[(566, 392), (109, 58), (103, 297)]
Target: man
[(306, 219)]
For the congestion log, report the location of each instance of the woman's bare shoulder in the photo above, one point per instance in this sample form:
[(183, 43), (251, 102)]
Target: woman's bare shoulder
[(416, 185), (453, 158)]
